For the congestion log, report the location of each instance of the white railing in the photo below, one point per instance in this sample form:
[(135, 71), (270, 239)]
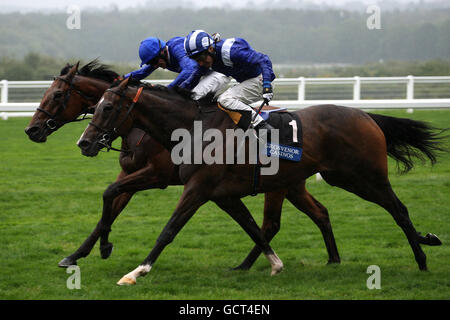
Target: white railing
[(408, 101)]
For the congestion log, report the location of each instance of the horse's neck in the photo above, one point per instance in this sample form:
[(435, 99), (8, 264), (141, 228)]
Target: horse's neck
[(159, 116), (92, 87)]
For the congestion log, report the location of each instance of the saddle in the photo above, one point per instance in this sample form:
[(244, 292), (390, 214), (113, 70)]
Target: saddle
[(242, 118), (290, 135), (289, 128), (266, 110)]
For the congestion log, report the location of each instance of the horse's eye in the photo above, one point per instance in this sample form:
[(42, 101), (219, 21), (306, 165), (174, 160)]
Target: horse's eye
[(107, 108), (57, 95)]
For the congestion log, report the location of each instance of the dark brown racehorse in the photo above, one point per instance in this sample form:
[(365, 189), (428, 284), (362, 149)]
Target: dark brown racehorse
[(145, 163), (347, 146)]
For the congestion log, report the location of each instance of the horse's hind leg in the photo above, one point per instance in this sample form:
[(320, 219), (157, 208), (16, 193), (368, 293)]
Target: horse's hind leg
[(375, 187), (273, 202), (305, 202), (239, 212)]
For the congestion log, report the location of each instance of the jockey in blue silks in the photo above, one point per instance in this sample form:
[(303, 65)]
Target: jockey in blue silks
[(235, 58), (156, 53)]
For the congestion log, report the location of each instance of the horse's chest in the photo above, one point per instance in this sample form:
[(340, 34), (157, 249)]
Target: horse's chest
[(134, 160)]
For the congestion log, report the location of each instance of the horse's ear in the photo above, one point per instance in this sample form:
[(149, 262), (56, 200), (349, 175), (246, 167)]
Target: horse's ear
[(123, 85), (73, 71)]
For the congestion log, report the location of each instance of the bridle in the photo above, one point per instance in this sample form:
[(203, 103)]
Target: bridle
[(106, 139), (53, 123)]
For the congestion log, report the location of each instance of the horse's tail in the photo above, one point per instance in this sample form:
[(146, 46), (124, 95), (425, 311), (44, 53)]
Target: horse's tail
[(407, 139)]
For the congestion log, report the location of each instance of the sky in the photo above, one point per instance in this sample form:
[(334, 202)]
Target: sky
[(45, 5)]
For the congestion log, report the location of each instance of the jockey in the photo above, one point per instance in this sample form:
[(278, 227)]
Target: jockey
[(155, 53), (235, 58)]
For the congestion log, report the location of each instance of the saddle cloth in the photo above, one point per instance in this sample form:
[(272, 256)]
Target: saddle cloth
[(290, 136), (243, 118), (288, 124)]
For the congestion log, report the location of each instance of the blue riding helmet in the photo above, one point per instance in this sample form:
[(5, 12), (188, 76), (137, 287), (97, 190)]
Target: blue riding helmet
[(197, 41), (149, 49)]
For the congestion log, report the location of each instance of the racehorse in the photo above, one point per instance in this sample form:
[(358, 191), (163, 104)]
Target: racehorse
[(145, 163), (347, 146)]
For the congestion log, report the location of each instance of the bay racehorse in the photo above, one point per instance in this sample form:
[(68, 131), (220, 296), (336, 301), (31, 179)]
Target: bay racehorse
[(347, 146), (145, 163)]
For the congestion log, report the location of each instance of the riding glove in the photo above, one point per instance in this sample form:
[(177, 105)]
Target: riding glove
[(267, 91), (216, 37)]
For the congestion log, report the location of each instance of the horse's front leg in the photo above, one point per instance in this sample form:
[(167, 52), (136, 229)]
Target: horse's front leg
[(88, 244), (115, 199), (188, 204)]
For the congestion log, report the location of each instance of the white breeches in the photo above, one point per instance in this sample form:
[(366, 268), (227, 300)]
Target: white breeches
[(238, 97), (212, 82)]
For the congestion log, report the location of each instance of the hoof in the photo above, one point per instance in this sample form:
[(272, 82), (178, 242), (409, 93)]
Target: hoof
[(423, 268), (331, 262), (242, 266), (126, 281), (67, 262), (276, 269), (433, 240), (105, 251)]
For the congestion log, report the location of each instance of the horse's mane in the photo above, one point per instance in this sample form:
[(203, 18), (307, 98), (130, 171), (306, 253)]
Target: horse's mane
[(133, 82), (93, 69), (176, 91)]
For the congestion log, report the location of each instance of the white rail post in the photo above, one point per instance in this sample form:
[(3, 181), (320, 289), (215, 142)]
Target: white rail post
[(4, 98), (301, 89), (357, 88), (410, 88), (410, 91)]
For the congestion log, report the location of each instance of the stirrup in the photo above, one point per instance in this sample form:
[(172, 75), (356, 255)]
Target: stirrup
[(263, 125)]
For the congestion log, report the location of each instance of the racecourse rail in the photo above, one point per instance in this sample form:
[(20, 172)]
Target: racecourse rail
[(386, 93)]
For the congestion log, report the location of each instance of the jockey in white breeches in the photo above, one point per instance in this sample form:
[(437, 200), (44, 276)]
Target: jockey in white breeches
[(232, 58)]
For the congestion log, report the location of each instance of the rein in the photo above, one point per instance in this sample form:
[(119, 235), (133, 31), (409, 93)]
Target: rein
[(106, 138), (52, 123)]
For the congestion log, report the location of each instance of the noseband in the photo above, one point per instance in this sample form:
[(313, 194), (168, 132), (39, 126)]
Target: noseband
[(108, 134), (52, 123)]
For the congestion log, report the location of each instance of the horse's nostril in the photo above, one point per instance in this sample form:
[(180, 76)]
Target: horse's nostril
[(83, 144), (31, 130)]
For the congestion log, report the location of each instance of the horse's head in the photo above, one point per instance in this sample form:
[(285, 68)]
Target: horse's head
[(63, 102), (111, 119)]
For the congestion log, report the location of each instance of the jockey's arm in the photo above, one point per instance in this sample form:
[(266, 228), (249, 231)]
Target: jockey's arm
[(141, 73), (247, 56), (190, 74)]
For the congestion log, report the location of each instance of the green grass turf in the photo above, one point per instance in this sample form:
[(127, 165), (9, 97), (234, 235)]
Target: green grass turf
[(51, 199)]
